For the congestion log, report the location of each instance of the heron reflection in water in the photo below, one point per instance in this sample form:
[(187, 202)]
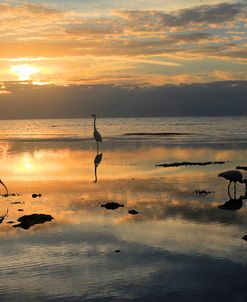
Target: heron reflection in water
[(97, 161)]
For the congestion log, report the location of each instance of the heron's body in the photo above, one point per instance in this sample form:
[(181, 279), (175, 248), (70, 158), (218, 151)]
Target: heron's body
[(96, 133), (232, 175)]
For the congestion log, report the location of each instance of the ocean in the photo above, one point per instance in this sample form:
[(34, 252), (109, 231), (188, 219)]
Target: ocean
[(186, 241), (202, 129)]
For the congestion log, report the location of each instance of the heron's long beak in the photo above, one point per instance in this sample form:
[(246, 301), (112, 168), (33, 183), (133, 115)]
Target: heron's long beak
[(4, 186)]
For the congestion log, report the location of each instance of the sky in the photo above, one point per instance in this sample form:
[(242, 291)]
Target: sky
[(118, 46)]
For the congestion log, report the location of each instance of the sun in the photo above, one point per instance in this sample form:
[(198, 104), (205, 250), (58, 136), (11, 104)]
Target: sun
[(24, 71)]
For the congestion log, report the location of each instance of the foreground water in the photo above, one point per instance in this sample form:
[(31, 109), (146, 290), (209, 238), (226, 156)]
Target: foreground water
[(179, 247)]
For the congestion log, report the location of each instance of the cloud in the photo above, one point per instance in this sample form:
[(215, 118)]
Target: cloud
[(49, 101), (27, 10), (209, 15), (122, 46)]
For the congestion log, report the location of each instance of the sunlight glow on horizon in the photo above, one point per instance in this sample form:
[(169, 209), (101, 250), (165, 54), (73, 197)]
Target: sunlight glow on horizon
[(24, 71)]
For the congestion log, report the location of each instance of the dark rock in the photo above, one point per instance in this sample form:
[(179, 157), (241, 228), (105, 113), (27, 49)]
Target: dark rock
[(10, 194), (112, 205), (204, 192), (5, 195), (36, 195), (27, 221), (133, 212), (244, 237), (20, 210), (117, 251)]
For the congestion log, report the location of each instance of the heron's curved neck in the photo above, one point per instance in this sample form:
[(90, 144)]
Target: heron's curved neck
[(94, 122)]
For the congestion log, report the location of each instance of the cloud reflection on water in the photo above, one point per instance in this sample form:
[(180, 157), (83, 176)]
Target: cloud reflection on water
[(172, 221)]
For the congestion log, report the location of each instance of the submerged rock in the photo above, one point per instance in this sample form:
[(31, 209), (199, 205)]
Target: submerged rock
[(36, 195), (10, 194), (204, 192), (133, 212), (112, 205), (244, 237), (27, 221)]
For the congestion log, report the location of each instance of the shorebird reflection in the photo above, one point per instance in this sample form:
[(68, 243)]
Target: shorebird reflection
[(233, 204), (97, 161)]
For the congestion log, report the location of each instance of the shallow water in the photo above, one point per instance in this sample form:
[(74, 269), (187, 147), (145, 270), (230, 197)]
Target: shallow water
[(179, 247)]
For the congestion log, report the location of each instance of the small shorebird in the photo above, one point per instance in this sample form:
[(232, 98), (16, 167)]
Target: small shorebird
[(234, 176)]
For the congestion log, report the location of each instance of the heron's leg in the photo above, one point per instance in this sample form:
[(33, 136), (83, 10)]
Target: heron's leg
[(97, 147), (95, 173), (235, 189), (229, 188)]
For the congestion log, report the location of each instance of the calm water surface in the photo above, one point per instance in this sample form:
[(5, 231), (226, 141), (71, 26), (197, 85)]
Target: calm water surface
[(180, 246)]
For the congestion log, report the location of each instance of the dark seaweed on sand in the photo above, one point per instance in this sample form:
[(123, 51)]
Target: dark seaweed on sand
[(157, 133), (188, 163)]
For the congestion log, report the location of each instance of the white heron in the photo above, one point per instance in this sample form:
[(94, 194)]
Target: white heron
[(96, 133), (7, 192), (234, 176)]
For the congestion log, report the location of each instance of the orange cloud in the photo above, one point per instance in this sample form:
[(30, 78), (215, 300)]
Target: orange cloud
[(128, 46)]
